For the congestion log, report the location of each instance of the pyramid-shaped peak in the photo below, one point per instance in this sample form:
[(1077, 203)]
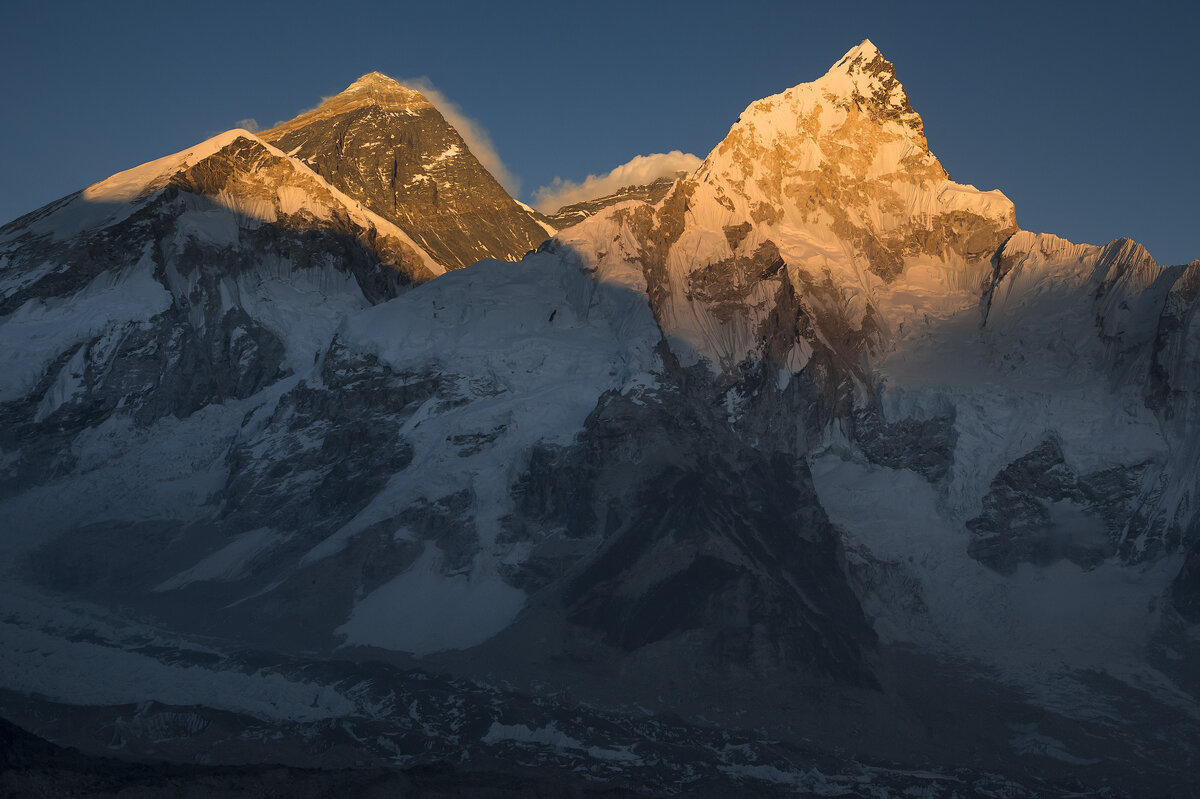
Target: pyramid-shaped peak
[(378, 85), (854, 127), (864, 77), (375, 78), (864, 53), (371, 90), (862, 62)]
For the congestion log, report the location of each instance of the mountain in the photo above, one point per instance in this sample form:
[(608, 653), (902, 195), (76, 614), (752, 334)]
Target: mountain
[(902, 334), (834, 177), (390, 149), (811, 473)]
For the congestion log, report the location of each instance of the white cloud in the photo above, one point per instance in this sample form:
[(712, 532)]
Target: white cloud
[(477, 139), (640, 170), (249, 124)]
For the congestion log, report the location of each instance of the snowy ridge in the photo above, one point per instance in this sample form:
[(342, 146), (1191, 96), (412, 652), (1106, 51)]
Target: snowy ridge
[(136, 183), (142, 181), (264, 188)]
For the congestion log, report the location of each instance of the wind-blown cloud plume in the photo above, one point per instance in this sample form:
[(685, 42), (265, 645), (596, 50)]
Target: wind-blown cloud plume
[(640, 170), (477, 139)]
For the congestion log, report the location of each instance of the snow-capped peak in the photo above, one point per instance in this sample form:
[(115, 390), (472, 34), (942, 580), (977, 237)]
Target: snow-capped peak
[(845, 149), (375, 79), (865, 77), (864, 53), (834, 181), (372, 89), (381, 90)]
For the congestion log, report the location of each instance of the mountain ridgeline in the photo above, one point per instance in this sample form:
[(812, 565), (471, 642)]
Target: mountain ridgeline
[(808, 471)]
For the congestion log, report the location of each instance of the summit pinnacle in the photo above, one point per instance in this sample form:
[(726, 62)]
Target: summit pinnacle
[(391, 149)]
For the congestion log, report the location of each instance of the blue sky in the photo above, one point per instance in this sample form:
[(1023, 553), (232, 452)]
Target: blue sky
[(1085, 114)]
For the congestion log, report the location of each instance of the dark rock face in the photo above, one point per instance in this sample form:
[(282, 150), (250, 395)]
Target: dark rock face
[(1185, 591), (725, 285), (703, 546), (925, 446), (332, 445), (165, 367), (1039, 511), (1172, 384), (805, 316), (1173, 391), (650, 193), (389, 148)]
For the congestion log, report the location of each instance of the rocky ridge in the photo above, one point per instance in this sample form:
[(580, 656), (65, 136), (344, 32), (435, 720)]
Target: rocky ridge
[(650, 192)]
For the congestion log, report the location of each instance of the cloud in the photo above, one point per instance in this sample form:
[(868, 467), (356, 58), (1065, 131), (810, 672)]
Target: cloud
[(477, 139), (249, 124), (640, 170)]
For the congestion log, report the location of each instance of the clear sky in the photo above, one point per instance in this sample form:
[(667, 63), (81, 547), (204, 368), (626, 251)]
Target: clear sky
[(1087, 115)]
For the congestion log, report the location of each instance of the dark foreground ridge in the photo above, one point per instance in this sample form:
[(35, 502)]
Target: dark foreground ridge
[(31, 766)]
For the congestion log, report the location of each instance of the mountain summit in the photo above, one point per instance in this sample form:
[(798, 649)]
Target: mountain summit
[(864, 75), (388, 147), (371, 90), (845, 157), (826, 189)]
